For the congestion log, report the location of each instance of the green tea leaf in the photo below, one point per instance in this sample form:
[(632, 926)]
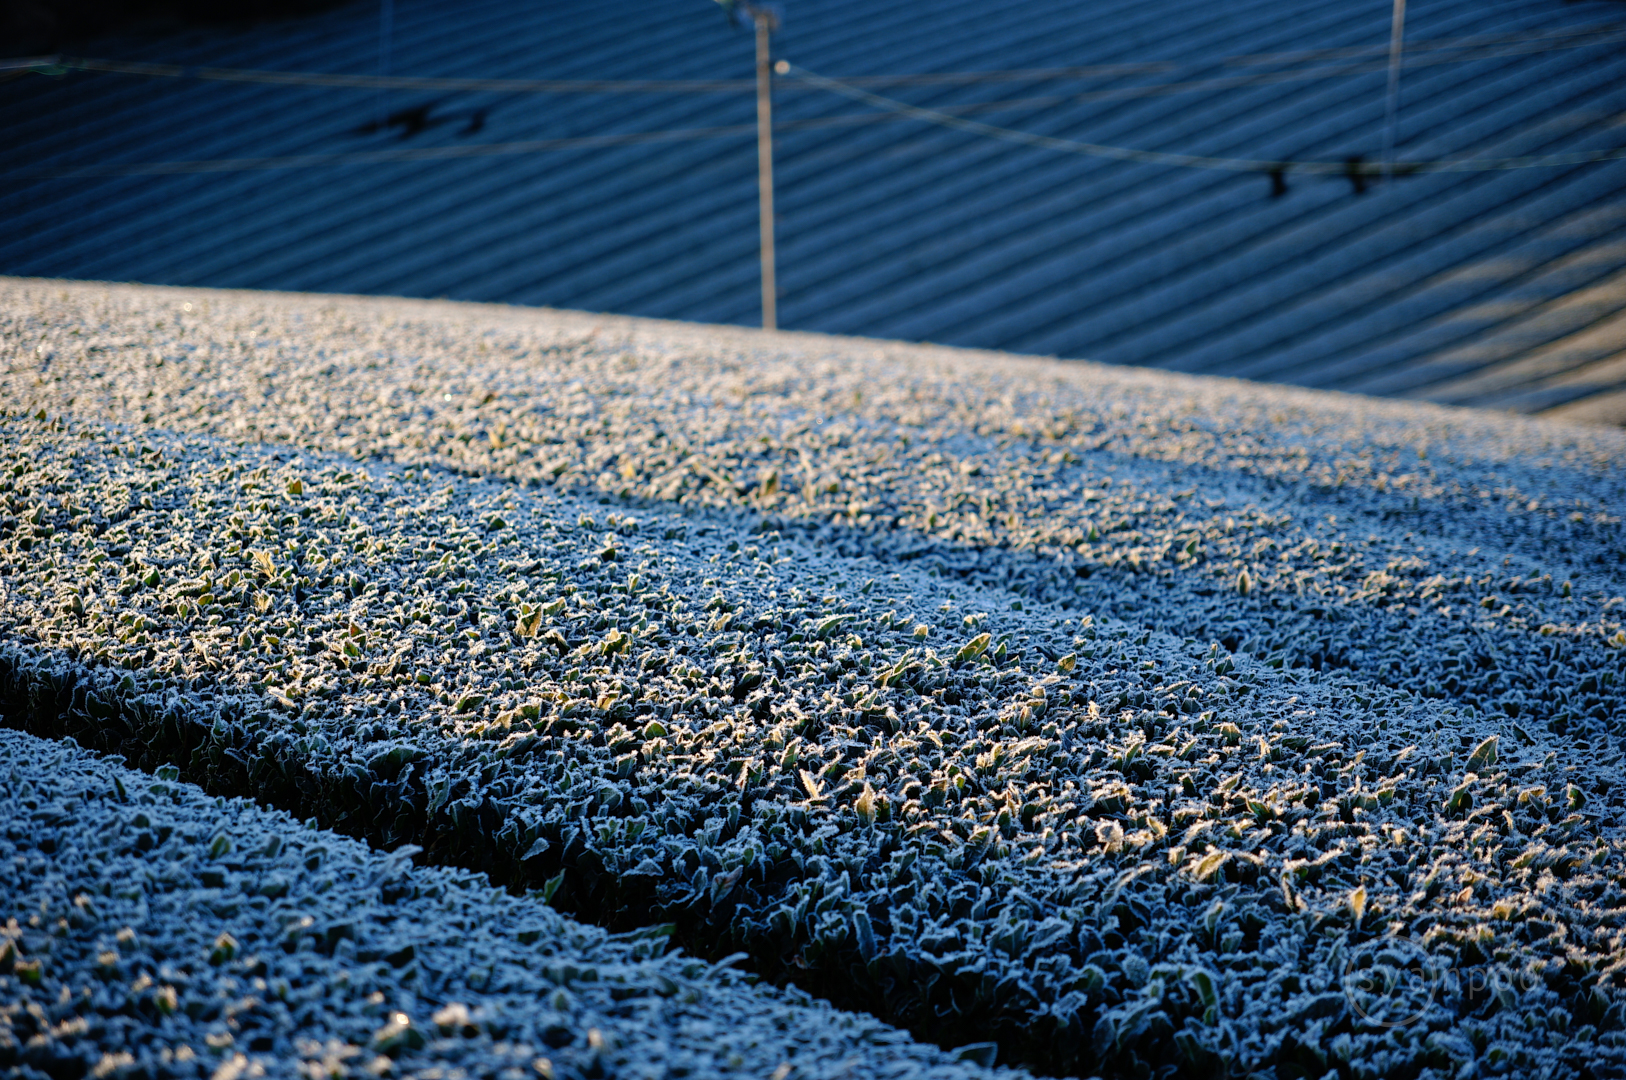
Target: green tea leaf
[(1484, 754), (973, 648)]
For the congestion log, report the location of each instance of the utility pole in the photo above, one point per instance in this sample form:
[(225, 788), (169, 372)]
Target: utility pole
[(386, 30), (766, 22), (1391, 118)]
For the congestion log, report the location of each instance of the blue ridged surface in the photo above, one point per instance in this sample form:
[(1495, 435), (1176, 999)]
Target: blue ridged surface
[(1503, 289)]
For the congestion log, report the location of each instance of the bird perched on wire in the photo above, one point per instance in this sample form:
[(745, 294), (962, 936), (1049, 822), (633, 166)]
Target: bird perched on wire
[(411, 121), (1355, 173), (417, 119)]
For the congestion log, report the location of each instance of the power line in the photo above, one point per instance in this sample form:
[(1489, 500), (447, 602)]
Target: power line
[(506, 149), (390, 82), (851, 88), (546, 86), (1488, 47), (376, 157), (373, 157), (1224, 82), (902, 112), (1503, 45), (1523, 37), (437, 153), (1352, 168)]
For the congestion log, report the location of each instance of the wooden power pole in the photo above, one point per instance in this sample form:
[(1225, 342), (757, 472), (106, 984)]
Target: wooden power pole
[(766, 23), (1391, 105)]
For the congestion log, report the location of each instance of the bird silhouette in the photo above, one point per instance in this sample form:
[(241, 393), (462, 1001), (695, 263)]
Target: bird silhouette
[(412, 121), (1355, 171), (419, 118)]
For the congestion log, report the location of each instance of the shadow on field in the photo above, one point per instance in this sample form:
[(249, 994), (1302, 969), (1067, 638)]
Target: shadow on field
[(56, 697)]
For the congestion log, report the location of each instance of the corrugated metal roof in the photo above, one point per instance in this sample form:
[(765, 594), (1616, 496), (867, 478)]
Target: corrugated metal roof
[(1504, 288)]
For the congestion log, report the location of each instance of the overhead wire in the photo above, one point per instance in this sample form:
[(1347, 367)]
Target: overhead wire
[(372, 157), (1524, 37), (1503, 45), (1192, 161), (1223, 82), (852, 88), (554, 86), (435, 153), (388, 82)]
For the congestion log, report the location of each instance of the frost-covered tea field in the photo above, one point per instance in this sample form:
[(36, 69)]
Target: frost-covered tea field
[(1088, 720)]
